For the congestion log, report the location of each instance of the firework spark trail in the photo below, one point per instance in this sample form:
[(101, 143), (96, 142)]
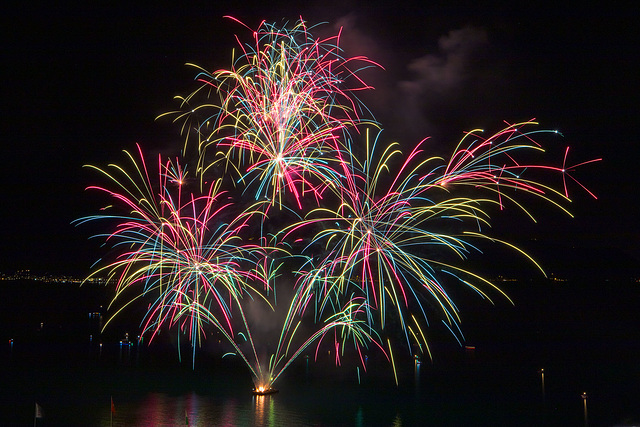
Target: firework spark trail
[(195, 269), (282, 122), (283, 111), (367, 240), (180, 251), (379, 242), (487, 163), (346, 323)]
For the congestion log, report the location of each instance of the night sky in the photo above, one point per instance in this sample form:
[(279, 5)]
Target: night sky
[(81, 82)]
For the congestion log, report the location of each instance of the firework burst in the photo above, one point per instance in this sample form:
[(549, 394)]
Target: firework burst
[(382, 243), (279, 115), (176, 249), (387, 234)]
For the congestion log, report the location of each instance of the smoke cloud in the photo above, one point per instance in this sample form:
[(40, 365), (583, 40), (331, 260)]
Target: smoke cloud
[(460, 85)]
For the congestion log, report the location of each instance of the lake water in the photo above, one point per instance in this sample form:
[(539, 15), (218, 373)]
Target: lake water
[(79, 394), (495, 384)]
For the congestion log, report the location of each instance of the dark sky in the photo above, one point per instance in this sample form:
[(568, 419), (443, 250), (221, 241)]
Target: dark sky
[(81, 82)]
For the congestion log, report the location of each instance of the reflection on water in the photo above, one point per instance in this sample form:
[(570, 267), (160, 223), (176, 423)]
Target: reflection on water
[(260, 403), (264, 404), (191, 409), (359, 417), (160, 409)]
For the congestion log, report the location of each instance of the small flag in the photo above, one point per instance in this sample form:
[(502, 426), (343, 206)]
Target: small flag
[(39, 413), (113, 408)]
